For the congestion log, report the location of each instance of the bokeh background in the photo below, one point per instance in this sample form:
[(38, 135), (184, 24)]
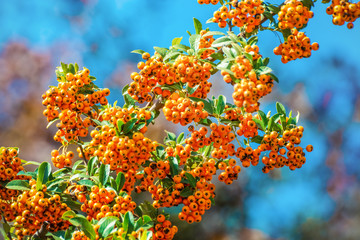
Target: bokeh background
[(319, 201)]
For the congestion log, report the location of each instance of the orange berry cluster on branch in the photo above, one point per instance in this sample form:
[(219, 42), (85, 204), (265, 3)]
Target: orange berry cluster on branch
[(100, 204), (182, 110), (113, 114), (74, 95), (10, 164), (33, 208), (231, 171), (247, 127), (248, 156), (205, 42), (245, 14), (293, 14), (213, 2), (123, 154), (195, 205), (222, 137), (248, 92), (163, 229), (283, 150), (344, 11), (296, 46), (61, 160)]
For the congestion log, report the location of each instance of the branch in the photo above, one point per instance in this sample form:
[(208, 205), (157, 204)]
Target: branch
[(41, 233)]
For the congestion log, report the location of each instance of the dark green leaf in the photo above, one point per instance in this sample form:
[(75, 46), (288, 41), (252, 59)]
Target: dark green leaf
[(91, 165), (86, 227), (44, 172), (280, 108), (86, 182), (22, 185), (120, 181), (128, 224), (260, 124), (107, 225), (104, 173), (191, 179), (186, 192), (198, 26), (174, 166), (129, 125), (220, 107)]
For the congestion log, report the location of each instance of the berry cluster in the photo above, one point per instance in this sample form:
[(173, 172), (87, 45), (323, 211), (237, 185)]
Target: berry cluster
[(61, 160), (293, 14), (230, 173), (205, 42), (296, 46), (344, 11), (10, 164), (222, 137), (245, 14), (182, 110), (74, 95), (283, 150), (33, 208), (247, 127), (113, 114), (248, 156), (163, 229), (100, 203), (248, 92), (195, 205), (213, 2)]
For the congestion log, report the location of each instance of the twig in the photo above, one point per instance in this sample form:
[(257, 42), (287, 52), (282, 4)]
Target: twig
[(82, 152), (41, 233)]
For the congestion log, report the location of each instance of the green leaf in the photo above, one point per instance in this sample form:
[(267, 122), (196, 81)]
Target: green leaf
[(186, 192), (104, 173), (191, 179), (280, 108), (171, 55), (91, 165), (44, 172), (64, 67), (76, 165), (120, 181), (146, 235), (198, 26), (264, 70), (181, 47), (138, 51), (51, 122), (128, 223), (264, 119), (161, 51), (180, 138), (194, 41), (171, 136), (220, 107), (71, 68), (120, 123), (257, 139), (86, 182), (21, 185), (273, 77), (176, 41), (129, 125), (222, 41), (212, 33), (68, 215), (260, 124), (86, 227), (107, 225), (207, 105), (174, 166)]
